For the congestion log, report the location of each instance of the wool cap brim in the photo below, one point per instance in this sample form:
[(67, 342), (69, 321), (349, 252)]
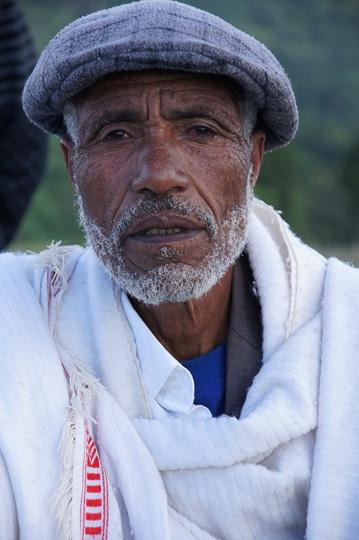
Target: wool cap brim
[(158, 34)]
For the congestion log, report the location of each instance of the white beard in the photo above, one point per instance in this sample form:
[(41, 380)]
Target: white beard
[(171, 281)]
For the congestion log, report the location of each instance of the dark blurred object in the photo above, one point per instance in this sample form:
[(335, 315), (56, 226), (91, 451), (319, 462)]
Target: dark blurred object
[(22, 145)]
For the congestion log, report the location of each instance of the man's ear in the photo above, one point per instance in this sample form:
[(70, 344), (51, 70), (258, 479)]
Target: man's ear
[(258, 139), (68, 150)]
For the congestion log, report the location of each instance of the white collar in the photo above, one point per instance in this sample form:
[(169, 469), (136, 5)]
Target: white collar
[(169, 385)]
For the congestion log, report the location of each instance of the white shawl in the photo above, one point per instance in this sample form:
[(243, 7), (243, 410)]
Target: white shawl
[(136, 477)]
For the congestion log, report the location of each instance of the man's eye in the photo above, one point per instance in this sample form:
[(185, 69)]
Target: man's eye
[(116, 134), (202, 131)]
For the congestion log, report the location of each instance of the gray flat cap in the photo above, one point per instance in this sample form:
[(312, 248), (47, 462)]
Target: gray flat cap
[(158, 34)]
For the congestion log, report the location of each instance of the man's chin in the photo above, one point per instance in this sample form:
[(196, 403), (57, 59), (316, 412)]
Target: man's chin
[(166, 283)]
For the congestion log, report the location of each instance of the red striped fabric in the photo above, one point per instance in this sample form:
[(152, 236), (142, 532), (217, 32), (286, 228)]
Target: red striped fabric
[(94, 495)]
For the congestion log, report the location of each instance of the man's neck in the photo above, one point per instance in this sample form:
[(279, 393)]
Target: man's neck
[(191, 328)]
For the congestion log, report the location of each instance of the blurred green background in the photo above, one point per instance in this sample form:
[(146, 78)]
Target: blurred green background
[(314, 180)]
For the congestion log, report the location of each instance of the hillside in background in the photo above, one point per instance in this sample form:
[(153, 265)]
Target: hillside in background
[(314, 180)]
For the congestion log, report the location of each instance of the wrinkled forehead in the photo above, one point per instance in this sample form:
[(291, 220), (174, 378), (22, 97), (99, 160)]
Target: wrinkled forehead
[(172, 83)]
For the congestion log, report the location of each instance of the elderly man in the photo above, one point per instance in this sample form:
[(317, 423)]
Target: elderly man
[(192, 373)]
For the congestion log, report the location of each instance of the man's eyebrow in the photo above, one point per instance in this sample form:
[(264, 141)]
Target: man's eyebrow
[(200, 112), (111, 117), (126, 115)]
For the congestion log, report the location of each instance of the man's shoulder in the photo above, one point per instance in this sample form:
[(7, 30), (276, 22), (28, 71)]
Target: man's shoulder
[(344, 277), (30, 267), (29, 258)]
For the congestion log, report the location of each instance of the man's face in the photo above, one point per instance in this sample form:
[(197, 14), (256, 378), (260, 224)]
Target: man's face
[(164, 177)]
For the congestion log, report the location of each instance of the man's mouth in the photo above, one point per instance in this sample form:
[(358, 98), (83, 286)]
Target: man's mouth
[(158, 231), (167, 224), (165, 236)]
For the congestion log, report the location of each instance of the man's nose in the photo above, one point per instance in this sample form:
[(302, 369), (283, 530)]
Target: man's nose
[(158, 170)]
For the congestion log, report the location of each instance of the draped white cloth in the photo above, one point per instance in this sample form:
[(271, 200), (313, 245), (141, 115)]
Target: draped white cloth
[(69, 373)]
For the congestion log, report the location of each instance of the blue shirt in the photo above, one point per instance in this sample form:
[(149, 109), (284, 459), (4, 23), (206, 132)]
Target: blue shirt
[(209, 375)]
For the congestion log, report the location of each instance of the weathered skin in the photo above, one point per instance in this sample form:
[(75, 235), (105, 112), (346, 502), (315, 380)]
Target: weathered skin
[(160, 133)]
